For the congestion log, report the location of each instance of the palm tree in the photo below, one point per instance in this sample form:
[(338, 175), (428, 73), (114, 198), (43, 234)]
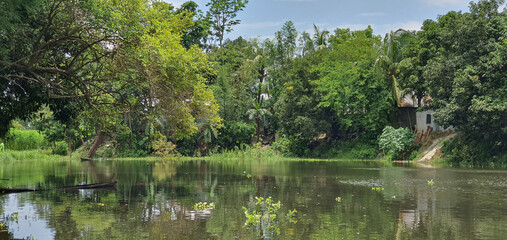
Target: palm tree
[(206, 133), (258, 114), (318, 42), (390, 57), (320, 37)]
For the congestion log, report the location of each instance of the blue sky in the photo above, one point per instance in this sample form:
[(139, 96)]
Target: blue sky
[(262, 18)]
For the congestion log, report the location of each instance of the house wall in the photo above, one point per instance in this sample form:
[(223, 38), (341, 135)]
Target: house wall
[(422, 122)]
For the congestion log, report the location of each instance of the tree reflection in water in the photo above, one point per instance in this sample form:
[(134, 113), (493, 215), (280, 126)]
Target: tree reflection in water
[(155, 200)]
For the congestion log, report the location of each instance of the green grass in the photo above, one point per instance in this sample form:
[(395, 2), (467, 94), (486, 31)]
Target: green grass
[(38, 154), (18, 139)]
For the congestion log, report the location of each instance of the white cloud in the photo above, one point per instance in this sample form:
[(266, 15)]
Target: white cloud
[(259, 25), (443, 3), (175, 3), (355, 27), (411, 25)]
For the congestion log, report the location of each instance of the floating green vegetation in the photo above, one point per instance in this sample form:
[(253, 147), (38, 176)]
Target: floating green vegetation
[(265, 217), (377, 189), (291, 215), (201, 206), (248, 175), (430, 182), (338, 199)]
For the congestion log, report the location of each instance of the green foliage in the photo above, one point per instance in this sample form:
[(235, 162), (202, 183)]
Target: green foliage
[(431, 182), (60, 148), (358, 97), (351, 149), (80, 78), (465, 67), (198, 33), (163, 148), (471, 150), (397, 143), (299, 115), (390, 57), (292, 146), (18, 139), (45, 122), (201, 206), (282, 146), (234, 79), (129, 144), (264, 216), (26, 155), (223, 13), (235, 134)]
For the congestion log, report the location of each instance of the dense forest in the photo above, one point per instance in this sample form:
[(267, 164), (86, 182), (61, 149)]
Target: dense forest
[(137, 78)]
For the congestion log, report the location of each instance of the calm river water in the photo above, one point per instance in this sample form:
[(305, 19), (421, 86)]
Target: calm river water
[(333, 200)]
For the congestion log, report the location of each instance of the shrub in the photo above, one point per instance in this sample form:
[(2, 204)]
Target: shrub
[(18, 139), (129, 144), (471, 150), (397, 142), (61, 148), (235, 134), (292, 146), (163, 148)]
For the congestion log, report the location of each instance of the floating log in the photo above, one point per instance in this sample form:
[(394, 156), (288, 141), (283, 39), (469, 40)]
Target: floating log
[(90, 186), (85, 186), (86, 159)]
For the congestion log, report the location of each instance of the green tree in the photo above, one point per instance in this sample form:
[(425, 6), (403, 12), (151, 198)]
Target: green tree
[(235, 78), (199, 32), (223, 16), (466, 78), (259, 115), (389, 58), (350, 87), (279, 55), (299, 115), (317, 42), (113, 58)]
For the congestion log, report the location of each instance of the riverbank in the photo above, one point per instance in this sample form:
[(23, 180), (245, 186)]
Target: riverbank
[(36, 154), (434, 151)]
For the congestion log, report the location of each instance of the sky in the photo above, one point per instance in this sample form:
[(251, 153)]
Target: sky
[(262, 18)]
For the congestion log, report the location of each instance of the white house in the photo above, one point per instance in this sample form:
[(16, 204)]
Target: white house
[(423, 119)]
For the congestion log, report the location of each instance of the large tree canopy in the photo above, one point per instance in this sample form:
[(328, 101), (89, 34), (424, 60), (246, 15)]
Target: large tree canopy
[(466, 73), (111, 56)]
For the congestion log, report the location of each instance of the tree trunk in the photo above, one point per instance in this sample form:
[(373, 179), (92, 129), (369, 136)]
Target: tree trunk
[(409, 121), (69, 141), (396, 91), (258, 122), (96, 144)]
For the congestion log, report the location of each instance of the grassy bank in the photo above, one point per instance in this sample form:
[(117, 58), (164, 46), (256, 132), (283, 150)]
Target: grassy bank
[(38, 154)]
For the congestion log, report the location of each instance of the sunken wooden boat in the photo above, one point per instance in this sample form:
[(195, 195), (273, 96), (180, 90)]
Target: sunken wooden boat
[(85, 186)]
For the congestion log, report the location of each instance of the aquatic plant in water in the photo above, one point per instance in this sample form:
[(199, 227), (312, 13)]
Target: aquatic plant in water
[(430, 182), (201, 206), (265, 216)]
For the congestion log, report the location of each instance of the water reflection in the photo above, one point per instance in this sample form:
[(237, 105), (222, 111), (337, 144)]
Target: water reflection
[(154, 200)]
